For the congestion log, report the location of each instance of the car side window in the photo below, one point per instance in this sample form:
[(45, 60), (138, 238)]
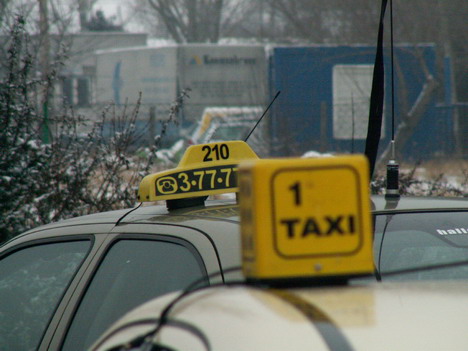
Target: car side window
[(132, 272), (428, 244), (32, 282)]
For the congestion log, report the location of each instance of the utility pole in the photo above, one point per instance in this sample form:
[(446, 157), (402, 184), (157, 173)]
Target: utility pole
[(44, 62)]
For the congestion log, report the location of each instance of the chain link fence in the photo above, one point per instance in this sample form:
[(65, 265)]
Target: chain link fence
[(438, 156)]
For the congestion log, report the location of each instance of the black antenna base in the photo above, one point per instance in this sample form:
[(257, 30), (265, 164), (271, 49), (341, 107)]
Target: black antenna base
[(392, 189), (187, 202)]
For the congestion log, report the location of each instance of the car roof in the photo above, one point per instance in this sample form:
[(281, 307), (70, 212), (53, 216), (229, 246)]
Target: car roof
[(213, 210), (374, 316), (417, 203), (217, 219), (225, 210), (154, 213)]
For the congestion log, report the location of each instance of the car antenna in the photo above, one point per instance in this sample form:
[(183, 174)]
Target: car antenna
[(261, 117), (377, 96), (392, 188)]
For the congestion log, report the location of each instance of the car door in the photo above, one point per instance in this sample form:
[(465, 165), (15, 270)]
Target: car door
[(34, 278), (139, 262), (40, 272)]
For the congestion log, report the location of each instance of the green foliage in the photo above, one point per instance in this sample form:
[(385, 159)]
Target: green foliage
[(76, 173), (21, 157)]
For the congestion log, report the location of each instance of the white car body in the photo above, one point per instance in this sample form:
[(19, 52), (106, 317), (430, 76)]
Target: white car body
[(395, 316)]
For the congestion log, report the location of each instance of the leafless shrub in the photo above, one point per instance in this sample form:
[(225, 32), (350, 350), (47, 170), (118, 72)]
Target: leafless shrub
[(75, 173), (411, 184)]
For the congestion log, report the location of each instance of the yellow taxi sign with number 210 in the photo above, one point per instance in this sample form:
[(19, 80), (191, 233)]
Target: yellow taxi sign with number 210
[(205, 169), (306, 218)]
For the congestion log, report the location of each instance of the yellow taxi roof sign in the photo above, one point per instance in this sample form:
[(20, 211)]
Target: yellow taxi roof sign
[(227, 151), (205, 169), (305, 218)]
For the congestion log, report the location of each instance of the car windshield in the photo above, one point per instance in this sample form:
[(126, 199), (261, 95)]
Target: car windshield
[(236, 130), (421, 246), (230, 132)]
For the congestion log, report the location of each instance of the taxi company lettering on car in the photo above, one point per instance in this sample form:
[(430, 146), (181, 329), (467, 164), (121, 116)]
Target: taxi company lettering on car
[(203, 170), (197, 180), (453, 231)]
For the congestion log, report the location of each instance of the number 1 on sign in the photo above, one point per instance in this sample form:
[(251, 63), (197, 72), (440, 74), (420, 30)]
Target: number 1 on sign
[(296, 189)]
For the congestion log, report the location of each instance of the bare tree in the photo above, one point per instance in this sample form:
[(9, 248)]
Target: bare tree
[(410, 116), (3, 9), (190, 20), (320, 21), (344, 21)]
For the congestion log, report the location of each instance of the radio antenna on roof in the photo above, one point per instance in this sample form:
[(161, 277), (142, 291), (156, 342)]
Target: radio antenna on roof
[(261, 117), (377, 98)]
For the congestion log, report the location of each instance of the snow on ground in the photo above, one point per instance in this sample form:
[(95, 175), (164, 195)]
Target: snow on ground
[(433, 177), (315, 154)]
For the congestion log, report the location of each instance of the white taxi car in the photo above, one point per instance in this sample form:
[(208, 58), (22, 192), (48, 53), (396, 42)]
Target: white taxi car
[(377, 316)]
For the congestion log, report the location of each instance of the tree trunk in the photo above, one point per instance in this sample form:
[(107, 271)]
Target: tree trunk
[(410, 121)]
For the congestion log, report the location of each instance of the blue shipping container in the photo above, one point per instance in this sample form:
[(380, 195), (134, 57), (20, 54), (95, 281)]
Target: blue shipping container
[(325, 93)]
